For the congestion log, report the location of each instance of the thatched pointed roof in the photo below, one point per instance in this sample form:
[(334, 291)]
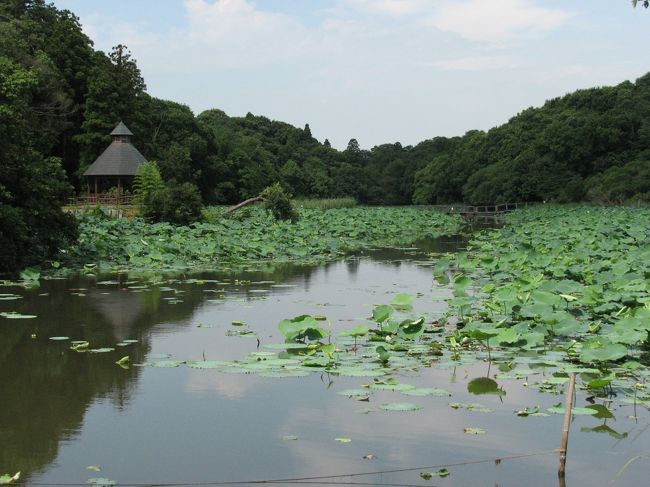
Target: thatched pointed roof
[(120, 158), (121, 129)]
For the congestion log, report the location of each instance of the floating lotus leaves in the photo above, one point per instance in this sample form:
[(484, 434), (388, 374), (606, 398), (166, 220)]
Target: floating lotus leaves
[(101, 482), (286, 346), (284, 373), (470, 407), (101, 350), (426, 391), (484, 385), (400, 406), (602, 350), (354, 393), (349, 371), (166, 363), (208, 364), (13, 315), (390, 386), (578, 411), (474, 431), (482, 333)]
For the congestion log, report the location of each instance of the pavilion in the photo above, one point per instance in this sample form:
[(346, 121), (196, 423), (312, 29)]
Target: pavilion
[(116, 166)]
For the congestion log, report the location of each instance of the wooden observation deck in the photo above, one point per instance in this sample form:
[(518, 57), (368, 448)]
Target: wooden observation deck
[(481, 213)]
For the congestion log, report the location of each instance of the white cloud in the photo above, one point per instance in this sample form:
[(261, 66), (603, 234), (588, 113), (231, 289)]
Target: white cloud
[(388, 7), (475, 63), (235, 33), (497, 21)]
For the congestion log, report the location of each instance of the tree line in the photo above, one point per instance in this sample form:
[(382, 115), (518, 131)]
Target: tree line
[(60, 98)]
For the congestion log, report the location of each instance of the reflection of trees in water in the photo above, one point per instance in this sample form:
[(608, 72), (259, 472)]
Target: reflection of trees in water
[(46, 387)]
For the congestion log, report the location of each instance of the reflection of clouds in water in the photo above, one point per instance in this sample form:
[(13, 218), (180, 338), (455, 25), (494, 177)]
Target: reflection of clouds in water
[(432, 435), (230, 386)]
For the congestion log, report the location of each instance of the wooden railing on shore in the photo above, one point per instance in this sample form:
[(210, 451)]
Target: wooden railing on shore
[(101, 199), (481, 212)]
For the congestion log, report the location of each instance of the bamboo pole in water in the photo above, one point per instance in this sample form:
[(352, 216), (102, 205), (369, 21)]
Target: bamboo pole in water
[(568, 408)]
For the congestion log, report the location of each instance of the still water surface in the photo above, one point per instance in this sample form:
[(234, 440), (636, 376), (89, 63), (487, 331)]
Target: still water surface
[(63, 411)]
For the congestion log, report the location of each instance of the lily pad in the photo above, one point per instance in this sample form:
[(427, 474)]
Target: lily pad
[(426, 391), (101, 350), (578, 411), (166, 363), (474, 431), (353, 392), (13, 315), (484, 385), (400, 406), (101, 482), (380, 386), (208, 364)]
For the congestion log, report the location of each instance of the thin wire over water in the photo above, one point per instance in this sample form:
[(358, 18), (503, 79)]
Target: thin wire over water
[(324, 479)]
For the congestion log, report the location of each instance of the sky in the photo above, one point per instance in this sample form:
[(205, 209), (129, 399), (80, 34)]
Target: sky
[(379, 71)]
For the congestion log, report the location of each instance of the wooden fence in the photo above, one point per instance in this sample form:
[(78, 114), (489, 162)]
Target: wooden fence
[(101, 199), (481, 213)]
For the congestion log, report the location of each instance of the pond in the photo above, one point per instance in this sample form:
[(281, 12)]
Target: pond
[(71, 415)]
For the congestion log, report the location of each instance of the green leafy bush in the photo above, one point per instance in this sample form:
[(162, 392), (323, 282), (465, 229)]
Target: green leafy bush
[(182, 204), (176, 203), (278, 202)]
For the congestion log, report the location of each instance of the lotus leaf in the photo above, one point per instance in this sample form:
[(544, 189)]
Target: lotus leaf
[(302, 327), (400, 406)]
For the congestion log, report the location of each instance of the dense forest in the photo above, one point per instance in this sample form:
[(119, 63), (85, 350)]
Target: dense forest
[(60, 98)]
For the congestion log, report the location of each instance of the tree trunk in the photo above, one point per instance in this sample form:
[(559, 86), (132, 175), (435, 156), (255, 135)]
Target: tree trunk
[(247, 202)]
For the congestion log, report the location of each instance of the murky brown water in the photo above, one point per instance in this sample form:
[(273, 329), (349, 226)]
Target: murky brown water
[(63, 411)]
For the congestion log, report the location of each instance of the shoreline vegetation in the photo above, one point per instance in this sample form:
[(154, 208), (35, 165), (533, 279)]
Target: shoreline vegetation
[(252, 234)]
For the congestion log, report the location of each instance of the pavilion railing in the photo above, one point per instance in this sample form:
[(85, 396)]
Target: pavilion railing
[(101, 199)]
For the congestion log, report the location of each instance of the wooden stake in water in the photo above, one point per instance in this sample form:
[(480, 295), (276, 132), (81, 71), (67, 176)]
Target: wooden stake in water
[(568, 409)]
